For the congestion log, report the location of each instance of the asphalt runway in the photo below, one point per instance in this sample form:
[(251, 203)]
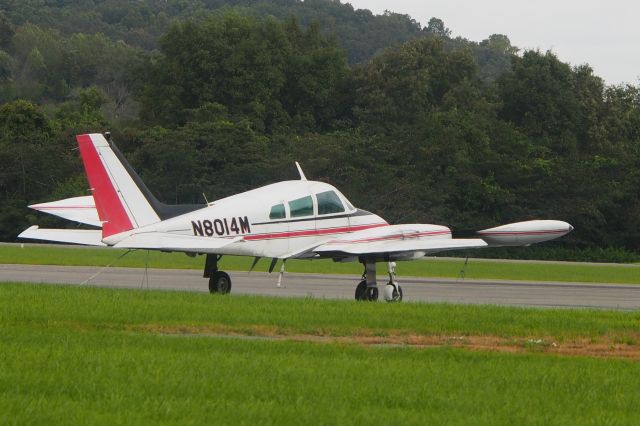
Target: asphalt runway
[(516, 293)]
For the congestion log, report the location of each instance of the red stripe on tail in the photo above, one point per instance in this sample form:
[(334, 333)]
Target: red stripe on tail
[(110, 209)]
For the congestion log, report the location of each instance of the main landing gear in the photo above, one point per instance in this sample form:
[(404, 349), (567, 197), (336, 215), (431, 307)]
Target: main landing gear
[(219, 281), (367, 289)]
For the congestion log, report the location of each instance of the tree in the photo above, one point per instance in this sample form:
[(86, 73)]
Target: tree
[(436, 27), (6, 32), (35, 162), (264, 70), (402, 84)]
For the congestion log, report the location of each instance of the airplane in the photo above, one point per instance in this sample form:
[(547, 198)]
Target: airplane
[(295, 219)]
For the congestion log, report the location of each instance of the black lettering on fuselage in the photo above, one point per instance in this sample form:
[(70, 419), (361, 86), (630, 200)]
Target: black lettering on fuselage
[(234, 226), (217, 224), (197, 228), (244, 225), (208, 227), (221, 227)]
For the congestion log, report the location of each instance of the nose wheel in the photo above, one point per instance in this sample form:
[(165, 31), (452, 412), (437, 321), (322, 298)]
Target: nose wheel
[(393, 292)]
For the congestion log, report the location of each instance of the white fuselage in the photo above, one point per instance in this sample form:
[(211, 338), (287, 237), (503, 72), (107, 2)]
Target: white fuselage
[(250, 215)]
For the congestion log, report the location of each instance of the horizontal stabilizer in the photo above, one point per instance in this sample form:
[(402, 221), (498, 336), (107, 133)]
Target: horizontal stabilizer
[(78, 209), (174, 242), (71, 236)]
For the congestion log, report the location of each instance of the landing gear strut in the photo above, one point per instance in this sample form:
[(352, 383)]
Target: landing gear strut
[(219, 281), (367, 289)]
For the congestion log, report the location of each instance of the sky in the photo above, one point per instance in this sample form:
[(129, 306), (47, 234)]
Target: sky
[(603, 34)]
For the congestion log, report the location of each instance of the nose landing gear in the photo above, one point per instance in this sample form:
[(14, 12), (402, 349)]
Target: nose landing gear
[(392, 291)]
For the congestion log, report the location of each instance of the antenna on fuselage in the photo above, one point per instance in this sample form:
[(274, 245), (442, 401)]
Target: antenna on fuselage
[(302, 176)]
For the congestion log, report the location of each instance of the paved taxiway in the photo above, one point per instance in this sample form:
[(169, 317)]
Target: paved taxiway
[(521, 293)]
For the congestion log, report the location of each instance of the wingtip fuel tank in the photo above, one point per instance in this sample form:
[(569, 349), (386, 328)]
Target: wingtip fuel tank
[(525, 233)]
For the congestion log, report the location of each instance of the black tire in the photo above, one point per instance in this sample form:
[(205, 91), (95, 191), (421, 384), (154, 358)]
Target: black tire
[(364, 293), (220, 282)]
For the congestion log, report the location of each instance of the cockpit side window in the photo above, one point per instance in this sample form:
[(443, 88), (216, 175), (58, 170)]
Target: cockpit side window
[(329, 202), (301, 207), (277, 212)]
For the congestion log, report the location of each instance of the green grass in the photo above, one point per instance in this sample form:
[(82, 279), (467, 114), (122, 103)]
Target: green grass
[(103, 308), (74, 355), (446, 268)]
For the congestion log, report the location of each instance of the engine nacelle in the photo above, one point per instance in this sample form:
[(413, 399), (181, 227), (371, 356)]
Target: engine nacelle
[(525, 233)]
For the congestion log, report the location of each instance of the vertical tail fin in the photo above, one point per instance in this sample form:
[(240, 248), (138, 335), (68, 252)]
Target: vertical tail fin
[(121, 204)]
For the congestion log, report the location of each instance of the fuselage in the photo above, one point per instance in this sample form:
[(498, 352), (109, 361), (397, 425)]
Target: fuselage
[(277, 220)]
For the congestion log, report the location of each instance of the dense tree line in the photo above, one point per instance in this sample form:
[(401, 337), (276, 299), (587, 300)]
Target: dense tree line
[(432, 129), (140, 23)]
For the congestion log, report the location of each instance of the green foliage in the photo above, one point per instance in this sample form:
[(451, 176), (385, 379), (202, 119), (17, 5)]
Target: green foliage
[(6, 32), (35, 158), (403, 84), (359, 32), (272, 73), (47, 66)]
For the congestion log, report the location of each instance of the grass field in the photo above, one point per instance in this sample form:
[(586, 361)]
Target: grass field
[(448, 268), (102, 356)]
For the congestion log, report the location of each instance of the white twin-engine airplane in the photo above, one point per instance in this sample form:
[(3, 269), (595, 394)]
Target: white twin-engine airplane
[(298, 219)]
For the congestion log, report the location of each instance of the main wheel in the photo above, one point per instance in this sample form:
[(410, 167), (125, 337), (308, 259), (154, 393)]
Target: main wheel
[(220, 282), (366, 293)]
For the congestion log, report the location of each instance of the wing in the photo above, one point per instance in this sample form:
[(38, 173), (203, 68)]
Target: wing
[(404, 242), (396, 242)]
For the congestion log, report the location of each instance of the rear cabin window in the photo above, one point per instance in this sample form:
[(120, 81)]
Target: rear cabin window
[(301, 207), (277, 212), (328, 202)]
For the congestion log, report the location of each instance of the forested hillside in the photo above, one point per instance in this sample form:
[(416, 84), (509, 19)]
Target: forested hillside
[(222, 96)]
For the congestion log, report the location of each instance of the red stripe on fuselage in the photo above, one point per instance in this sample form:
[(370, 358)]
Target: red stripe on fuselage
[(312, 232), (110, 209)]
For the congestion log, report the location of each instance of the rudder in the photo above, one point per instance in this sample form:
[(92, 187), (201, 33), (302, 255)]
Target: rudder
[(120, 204)]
